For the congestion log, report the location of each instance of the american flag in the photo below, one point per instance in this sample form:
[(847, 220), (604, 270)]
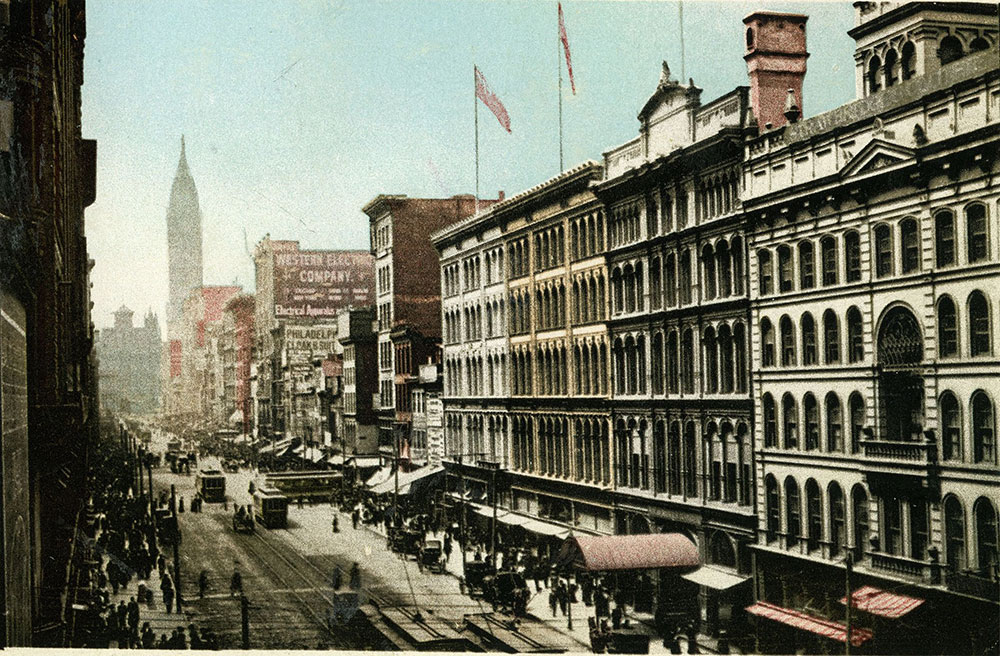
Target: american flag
[(490, 99), (565, 42)]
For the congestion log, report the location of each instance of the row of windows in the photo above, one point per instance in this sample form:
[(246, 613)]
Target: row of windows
[(544, 445), (545, 370), (832, 347), (624, 225), (831, 438), (829, 264), (588, 298), (788, 525), (384, 279), (979, 338), (517, 259), (550, 248), (586, 236), (717, 195)]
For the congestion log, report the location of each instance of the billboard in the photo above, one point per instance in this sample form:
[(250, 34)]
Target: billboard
[(316, 284), (303, 343)]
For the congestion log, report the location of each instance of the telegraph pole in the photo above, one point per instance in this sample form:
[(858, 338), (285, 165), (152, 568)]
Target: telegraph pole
[(849, 562)]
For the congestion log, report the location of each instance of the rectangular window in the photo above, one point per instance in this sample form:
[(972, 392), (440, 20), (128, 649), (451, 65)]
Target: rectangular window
[(919, 530), (944, 228), (852, 256), (975, 217), (893, 526), (883, 251), (716, 490), (730, 485)]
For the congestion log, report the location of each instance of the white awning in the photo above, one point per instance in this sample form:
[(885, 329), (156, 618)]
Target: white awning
[(715, 578), (379, 477), (487, 512), (365, 461), (336, 459), (405, 480), (542, 527)]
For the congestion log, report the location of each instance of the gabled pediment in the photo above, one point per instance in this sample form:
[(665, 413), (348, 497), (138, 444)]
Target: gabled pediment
[(878, 154)]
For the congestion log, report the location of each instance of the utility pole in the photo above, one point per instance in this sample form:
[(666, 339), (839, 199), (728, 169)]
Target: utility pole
[(176, 541), (245, 620), (849, 562), (461, 487)]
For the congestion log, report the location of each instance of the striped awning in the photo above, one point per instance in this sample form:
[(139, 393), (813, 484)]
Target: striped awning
[(882, 603), (818, 625), (629, 552)]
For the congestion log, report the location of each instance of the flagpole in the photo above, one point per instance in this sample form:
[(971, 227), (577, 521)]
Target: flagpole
[(680, 20), (559, 65), (475, 113)]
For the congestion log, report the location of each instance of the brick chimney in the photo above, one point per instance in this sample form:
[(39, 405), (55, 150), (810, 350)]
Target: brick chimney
[(776, 63)]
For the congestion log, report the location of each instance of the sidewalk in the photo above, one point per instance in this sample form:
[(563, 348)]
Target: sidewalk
[(159, 619)]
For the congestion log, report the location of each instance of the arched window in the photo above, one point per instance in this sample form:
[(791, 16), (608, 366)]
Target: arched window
[(765, 275), (807, 266), (979, 43), (890, 68), (954, 534), (986, 536), (749, 38), (900, 340), (874, 65), (906, 68), (947, 321), (976, 237), (811, 410), (856, 406), (831, 338), (787, 342), (711, 360), (859, 508), (950, 50), (670, 279), (724, 272), (983, 429), (909, 237), (708, 261), (951, 427), (834, 423), (855, 337), (814, 515), (657, 365), (883, 251), (828, 254), (979, 325), (785, 276), (690, 460), (852, 255), (673, 373), (793, 511), (736, 255), (773, 501), (838, 519), (770, 421), (809, 356), (687, 361), (685, 276), (790, 417), (767, 342), (944, 238)]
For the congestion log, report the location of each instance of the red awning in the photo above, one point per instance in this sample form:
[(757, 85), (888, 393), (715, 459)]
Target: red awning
[(819, 626), (884, 604), (619, 552)]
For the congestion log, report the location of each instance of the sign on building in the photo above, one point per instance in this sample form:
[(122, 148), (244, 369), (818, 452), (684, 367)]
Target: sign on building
[(315, 284)]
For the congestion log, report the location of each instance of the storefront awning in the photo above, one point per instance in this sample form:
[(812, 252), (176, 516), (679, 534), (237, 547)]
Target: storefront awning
[(379, 477), (336, 459), (715, 578), (406, 480), (818, 625), (364, 461), (236, 417), (542, 527), (627, 552), (276, 447), (882, 603)]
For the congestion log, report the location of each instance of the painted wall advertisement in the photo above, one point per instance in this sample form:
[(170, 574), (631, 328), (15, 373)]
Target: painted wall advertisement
[(316, 284)]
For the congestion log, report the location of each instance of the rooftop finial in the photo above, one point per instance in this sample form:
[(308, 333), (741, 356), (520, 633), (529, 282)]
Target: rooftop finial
[(665, 74)]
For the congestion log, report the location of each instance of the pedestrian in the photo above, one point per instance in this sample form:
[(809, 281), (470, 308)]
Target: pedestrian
[(161, 564), (355, 516), (336, 525), (563, 595), (148, 637), (236, 583), (132, 611), (616, 617), (300, 502), (202, 583), (336, 580), (167, 588), (447, 547), (180, 506), (355, 577), (553, 600), (194, 637)]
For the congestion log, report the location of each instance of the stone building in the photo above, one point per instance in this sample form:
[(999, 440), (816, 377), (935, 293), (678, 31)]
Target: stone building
[(873, 232), (48, 384), (129, 359)]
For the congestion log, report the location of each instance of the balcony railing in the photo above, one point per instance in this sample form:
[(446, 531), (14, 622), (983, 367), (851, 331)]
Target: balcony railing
[(900, 565), (918, 453), (974, 585)]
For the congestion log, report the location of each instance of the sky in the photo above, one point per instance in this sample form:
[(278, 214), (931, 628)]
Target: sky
[(296, 113)]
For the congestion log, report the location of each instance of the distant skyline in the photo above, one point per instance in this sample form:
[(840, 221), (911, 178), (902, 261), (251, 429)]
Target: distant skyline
[(297, 113)]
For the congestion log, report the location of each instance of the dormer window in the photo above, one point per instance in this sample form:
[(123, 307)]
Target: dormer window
[(950, 50)]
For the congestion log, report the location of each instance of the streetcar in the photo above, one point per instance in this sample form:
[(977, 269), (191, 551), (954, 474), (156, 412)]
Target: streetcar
[(211, 485), (305, 485), (270, 508)]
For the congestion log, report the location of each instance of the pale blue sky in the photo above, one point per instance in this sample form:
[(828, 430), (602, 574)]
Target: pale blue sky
[(297, 112)]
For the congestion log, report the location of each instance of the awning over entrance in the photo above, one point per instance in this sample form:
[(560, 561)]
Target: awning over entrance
[(715, 578), (406, 481), (380, 476), (819, 626), (624, 552), (882, 603)]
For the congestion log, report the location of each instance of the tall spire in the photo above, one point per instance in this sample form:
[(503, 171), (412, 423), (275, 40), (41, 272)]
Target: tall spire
[(184, 256), (182, 163)]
